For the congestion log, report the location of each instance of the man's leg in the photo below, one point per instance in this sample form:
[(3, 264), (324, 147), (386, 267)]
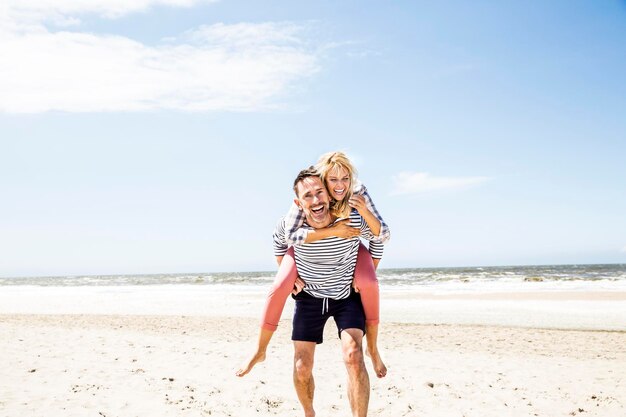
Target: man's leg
[(358, 380), (303, 375)]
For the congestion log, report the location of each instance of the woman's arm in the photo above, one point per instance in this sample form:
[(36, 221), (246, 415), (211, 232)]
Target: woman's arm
[(358, 202), (366, 208), (295, 234), (381, 235), (338, 229)]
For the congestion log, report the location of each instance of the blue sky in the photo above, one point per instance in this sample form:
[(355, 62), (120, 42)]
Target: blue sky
[(163, 135)]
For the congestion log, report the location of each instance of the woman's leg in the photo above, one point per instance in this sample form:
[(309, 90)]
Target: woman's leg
[(281, 288), (274, 304), (367, 285)]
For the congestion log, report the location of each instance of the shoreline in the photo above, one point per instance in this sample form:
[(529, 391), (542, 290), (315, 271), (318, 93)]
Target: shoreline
[(589, 310)]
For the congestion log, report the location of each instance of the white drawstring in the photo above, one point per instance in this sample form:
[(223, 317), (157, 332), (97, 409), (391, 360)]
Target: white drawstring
[(324, 304)]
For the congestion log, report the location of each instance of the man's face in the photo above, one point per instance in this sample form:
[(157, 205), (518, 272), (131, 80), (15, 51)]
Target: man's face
[(314, 201)]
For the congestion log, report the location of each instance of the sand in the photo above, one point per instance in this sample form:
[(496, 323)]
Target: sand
[(107, 365)]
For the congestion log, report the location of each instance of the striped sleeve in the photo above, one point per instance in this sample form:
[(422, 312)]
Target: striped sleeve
[(279, 244), (376, 249)]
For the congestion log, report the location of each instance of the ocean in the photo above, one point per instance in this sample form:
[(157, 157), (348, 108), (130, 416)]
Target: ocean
[(467, 279), (554, 296)]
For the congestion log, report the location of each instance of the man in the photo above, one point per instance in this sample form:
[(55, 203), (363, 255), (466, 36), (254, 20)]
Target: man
[(327, 267)]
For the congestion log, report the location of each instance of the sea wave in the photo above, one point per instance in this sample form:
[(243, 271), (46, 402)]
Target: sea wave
[(523, 277)]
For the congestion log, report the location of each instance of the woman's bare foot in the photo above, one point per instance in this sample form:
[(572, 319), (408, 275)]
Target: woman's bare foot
[(379, 367), (259, 356), (371, 333)]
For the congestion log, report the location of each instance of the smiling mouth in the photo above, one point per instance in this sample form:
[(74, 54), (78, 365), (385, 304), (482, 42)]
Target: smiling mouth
[(340, 191), (318, 210)]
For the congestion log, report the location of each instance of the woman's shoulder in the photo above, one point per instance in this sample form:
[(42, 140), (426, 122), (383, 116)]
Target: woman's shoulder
[(359, 188)]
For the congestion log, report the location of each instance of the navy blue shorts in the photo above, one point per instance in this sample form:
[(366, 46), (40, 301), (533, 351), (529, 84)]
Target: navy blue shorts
[(310, 316)]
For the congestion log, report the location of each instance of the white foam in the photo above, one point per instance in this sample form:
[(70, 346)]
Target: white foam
[(507, 286), (562, 314), (126, 299), (399, 305)]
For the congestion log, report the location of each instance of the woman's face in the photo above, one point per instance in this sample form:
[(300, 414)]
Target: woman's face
[(338, 183)]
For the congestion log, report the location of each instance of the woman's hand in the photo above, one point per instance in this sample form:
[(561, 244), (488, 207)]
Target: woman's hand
[(357, 202)]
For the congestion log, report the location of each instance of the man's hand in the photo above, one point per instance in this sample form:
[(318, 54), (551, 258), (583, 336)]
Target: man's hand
[(298, 286), (342, 230)]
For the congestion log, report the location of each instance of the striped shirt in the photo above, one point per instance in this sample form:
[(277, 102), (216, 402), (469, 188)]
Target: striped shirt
[(326, 265), (295, 234)]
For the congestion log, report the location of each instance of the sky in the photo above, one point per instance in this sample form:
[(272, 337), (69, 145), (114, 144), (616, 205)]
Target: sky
[(163, 136)]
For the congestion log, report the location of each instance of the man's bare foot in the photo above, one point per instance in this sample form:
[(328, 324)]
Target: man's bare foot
[(379, 367), (256, 358)]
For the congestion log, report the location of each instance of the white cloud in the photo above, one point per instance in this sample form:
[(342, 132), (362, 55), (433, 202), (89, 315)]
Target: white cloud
[(624, 249), (238, 67), (421, 182), (48, 10)]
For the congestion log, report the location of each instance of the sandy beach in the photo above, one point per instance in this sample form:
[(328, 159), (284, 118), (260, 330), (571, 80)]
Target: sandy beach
[(127, 363)]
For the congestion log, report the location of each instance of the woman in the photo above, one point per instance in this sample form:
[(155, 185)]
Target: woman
[(339, 176)]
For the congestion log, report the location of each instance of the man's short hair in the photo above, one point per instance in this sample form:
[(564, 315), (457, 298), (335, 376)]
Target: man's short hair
[(305, 173)]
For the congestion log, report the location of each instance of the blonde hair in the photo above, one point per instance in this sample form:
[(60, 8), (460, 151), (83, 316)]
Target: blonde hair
[(328, 163)]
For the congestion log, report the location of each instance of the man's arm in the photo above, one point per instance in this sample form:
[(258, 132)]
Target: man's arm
[(376, 262), (278, 240), (376, 250)]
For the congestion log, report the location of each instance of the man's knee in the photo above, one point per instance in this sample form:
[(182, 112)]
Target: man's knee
[(303, 368), (353, 354)]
